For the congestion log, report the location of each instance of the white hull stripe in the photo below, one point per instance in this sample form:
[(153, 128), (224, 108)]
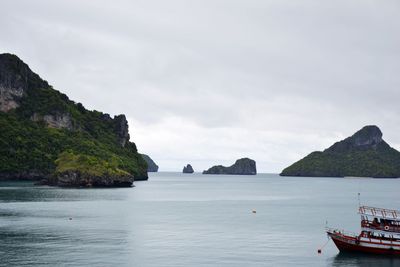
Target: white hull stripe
[(379, 242), (370, 245)]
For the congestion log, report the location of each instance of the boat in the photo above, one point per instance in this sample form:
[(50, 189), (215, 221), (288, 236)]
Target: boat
[(380, 233)]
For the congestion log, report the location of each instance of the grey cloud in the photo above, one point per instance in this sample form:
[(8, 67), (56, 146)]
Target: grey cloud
[(319, 69)]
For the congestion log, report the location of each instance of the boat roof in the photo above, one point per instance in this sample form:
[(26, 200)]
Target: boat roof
[(380, 213)]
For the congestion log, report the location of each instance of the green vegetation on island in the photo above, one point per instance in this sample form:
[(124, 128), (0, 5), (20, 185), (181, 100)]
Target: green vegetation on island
[(84, 170), (88, 165)]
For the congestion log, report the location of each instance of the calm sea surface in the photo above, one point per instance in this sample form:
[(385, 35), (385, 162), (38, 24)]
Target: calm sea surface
[(188, 220)]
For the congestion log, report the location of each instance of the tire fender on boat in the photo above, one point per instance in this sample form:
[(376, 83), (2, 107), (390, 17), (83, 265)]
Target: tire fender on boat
[(387, 228)]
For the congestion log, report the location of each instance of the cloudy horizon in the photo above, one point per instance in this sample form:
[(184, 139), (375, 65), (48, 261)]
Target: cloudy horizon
[(208, 82)]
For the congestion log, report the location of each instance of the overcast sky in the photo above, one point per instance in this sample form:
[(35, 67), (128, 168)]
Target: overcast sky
[(209, 81)]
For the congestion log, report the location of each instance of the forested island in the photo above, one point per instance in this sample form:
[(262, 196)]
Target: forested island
[(46, 136), (364, 154)]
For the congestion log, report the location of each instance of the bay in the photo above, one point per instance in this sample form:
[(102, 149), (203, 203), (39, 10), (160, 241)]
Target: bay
[(179, 219)]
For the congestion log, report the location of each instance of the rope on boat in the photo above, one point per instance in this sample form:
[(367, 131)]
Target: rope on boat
[(326, 243)]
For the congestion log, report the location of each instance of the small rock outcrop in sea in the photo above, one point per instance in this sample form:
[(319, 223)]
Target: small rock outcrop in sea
[(244, 166), (364, 154), (188, 169), (151, 165)]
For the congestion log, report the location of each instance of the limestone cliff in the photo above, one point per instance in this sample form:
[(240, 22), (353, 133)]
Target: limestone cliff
[(58, 121), (121, 129), (16, 79)]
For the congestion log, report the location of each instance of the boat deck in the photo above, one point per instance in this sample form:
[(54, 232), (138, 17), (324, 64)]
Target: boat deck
[(380, 213)]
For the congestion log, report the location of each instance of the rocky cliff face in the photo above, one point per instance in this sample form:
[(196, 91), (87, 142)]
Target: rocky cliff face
[(16, 79), (244, 166), (188, 169), (369, 137), (151, 165), (364, 154), (122, 129), (9, 98), (58, 121)]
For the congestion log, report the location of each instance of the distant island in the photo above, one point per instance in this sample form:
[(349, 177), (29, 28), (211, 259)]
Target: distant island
[(151, 165), (188, 169), (364, 154), (45, 135), (244, 166)]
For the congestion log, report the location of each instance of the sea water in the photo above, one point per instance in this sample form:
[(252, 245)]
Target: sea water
[(179, 219)]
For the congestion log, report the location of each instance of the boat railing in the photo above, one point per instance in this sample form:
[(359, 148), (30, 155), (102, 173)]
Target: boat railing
[(341, 232), (379, 212)]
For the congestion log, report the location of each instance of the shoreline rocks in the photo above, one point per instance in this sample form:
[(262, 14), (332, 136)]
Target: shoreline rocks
[(79, 179)]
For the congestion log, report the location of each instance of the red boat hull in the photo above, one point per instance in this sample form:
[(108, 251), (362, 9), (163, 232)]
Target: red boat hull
[(349, 244)]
